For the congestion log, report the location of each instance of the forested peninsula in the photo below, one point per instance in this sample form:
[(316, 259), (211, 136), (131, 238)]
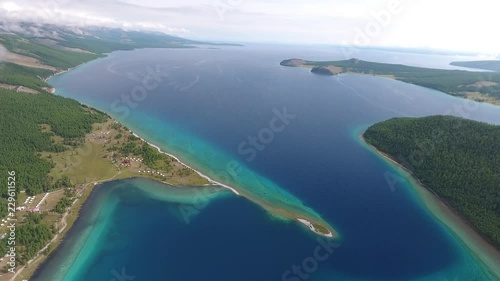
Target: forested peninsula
[(455, 158)]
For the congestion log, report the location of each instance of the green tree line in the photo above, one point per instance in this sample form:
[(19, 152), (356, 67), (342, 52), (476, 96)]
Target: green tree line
[(21, 136), (32, 236), (18, 75)]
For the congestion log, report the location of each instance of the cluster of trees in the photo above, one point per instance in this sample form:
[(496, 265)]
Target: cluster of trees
[(56, 57), (128, 148), (136, 147), (133, 138), (457, 158), (18, 75), (117, 126), (66, 201), (63, 204), (322, 70), (150, 155), (32, 235), (63, 182), (184, 172), (21, 138)]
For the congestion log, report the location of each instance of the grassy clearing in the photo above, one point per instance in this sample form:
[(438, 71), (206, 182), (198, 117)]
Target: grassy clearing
[(480, 97), (101, 158)]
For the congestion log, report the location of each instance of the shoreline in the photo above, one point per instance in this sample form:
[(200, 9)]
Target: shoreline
[(52, 90), (90, 187), (303, 221), (212, 181), (57, 73), (486, 253), (41, 258), (87, 205), (313, 229)]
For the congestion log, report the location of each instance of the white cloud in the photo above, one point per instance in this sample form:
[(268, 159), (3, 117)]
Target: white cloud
[(445, 24)]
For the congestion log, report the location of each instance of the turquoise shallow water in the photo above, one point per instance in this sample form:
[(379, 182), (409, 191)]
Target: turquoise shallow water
[(211, 101), (111, 206)]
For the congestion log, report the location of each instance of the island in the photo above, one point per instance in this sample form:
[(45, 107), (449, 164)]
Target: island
[(493, 65), (478, 86), (57, 150), (456, 159)]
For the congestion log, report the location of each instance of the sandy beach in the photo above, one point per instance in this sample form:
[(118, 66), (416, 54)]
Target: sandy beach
[(313, 229), (487, 253), (57, 73)]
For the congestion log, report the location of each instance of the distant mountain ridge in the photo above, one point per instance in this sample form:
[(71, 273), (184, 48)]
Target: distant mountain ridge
[(94, 39), (98, 40), (30, 53), (493, 65)]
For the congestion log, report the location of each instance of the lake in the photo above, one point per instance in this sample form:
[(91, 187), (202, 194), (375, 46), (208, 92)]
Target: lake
[(294, 138)]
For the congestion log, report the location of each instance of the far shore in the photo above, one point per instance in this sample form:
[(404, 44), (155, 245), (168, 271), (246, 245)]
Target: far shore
[(479, 246), (332, 69)]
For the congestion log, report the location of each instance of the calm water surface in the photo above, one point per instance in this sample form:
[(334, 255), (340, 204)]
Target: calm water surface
[(203, 107)]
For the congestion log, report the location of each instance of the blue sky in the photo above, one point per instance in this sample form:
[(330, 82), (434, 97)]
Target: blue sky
[(443, 24)]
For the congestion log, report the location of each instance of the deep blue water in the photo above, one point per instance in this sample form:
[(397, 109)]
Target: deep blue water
[(207, 103)]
